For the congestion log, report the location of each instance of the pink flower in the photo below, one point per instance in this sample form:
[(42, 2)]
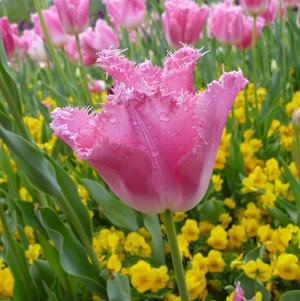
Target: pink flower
[(246, 41), (96, 86), (94, 40), (73, 14), (126, 13), (58, 36), (291, 3), (32, 44), (156, 139), (226, 23), (239, 294), (183, 21), (71, 48), (270, 14), (7, 37), (255, 7)]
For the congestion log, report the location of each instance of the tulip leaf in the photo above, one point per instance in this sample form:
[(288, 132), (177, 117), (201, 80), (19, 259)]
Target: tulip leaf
[(291, 296), (72, 255), (114, 210), (210, 210), (295, 186), (152, 224), (37, 168), (118, 288), (280, 216), (69, 189), (28, 214)]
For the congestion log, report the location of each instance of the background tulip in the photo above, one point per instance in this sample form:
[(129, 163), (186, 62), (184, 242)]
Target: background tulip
[(183, 21), (226, 23), (126, 13), (155, 141), (270, 14), (246, 40), (255, 7), (94, 40), (7, 37), (58, 36), (73, 14)]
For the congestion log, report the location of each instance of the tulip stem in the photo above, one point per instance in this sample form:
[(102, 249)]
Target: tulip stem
[(83, 71), (255, 73), (175, 254)]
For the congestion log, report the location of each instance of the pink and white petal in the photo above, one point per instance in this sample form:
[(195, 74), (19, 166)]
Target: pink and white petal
[(178, 72)]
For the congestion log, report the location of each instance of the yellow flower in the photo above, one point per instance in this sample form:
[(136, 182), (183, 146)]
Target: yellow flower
[(142, 277), (160, 278), (183, 246), (24, 194), (225, 219), (196, 283), (251, 225), (256, 180), (237, 236), (230, 203), (135, 244), (216, 263), (279, 241), (252, 211), (217, 182), (272, 169), (273, 127), (114, 263), (218, 238), (179, 216), (6, 283), (33, 252), (190, 230), (287, 266), (200, 262), (205, 227), (264, 233), (258, 270), (172, 297)]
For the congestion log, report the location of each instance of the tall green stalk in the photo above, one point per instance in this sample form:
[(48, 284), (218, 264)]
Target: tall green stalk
[(282, 52), (175, 254), (83, 72)]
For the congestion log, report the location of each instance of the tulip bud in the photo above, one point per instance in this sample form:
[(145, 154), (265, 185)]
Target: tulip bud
[(255, 7)]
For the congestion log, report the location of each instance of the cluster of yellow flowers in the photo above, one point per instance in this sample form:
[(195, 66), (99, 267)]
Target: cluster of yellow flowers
[(7, 281)]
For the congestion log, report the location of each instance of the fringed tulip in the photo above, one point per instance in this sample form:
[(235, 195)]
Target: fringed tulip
[(156, 139), (94, 40), (270, 14), (246, 40), (7, 37), (183, 21), (32, 44), (126, 13), (73, 14), (255, 7), (58, 36), (226, 23)]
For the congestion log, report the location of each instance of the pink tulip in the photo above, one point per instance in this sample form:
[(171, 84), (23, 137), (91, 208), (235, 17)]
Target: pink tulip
[(291, 3), (226, 23), (7, 37), (255, 7), (183, 21), (156, 139), (94, 40), (126, 13), (271, 13), (73, 14), (246, 41), (96, 86), (239, 294), (71, 48), (58, 36), (32, 44)]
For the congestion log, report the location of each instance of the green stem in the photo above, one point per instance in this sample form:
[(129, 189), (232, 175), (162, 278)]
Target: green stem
[(76, 223), (283, 60), (83, 71), (52, 50), (175, 254), (22, 268), (255, 79)]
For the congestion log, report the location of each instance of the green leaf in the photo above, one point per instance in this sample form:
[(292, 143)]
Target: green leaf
[(280, 216), (295, 186), (73, 257), (118, 288), (114, 210), (28, 214), (69, 189), (152, 224), (291, 296), (210, 210), (254, 253), (37, 168)]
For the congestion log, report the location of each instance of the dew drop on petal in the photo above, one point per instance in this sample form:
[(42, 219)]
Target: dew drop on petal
[(164, 117)]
